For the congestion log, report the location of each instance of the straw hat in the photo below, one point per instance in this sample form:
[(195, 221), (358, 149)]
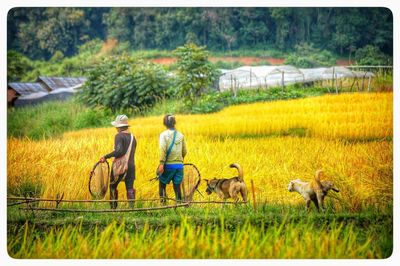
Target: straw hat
[(120, 121)]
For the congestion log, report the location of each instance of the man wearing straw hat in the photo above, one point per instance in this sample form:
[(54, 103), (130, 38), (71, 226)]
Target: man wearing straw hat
[(124, 145)]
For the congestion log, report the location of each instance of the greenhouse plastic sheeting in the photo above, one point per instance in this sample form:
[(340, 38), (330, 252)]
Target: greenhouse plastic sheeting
[(247, 77)]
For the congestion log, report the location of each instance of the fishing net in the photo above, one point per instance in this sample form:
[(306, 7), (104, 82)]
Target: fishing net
[(98, 180), (191, 181)]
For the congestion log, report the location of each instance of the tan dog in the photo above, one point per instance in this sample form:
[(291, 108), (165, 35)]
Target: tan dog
[(228, 188), (314, 191)]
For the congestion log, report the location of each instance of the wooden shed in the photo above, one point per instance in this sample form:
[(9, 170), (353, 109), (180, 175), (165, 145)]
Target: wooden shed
[(17, 89)]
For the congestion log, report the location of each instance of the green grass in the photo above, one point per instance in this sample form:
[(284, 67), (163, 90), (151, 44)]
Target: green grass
[(53, 118), (212, 231)]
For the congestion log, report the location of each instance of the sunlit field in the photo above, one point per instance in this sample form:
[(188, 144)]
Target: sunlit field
[(349, 136)]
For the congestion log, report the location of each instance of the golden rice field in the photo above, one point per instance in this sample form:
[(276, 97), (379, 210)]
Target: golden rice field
[(244, 134), (349, 136)]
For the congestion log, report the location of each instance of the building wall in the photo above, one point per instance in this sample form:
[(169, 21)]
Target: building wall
[(11, 96)]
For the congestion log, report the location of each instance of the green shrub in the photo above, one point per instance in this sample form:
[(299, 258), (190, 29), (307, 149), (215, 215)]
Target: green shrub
[(371, 56), (207, 104), (124, 83), (307, 56)]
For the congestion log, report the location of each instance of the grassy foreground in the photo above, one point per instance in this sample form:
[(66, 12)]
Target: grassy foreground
[(207, 232)]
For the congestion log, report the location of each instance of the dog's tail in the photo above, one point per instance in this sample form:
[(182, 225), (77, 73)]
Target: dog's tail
[(240, 170)]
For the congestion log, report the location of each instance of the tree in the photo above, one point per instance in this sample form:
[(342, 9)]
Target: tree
[(39, 32), (17, 66), (371, 56), (282, 24), (195, 73)]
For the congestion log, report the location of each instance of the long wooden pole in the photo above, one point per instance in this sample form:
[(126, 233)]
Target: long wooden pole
[(107, 210)]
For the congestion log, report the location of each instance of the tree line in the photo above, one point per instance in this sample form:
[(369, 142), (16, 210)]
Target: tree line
[(39, 33)]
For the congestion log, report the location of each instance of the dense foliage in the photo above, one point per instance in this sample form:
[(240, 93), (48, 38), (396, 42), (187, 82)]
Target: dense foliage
[(17, 65), (40, 32), (195, 73), (371, 55), (21, 68), (124, 83), (307, 56)]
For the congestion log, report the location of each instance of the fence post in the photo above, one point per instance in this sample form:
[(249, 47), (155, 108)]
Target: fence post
[(333, 78), (231, 84), (235, 87), (369, 83), (283, 79), (336, 85), (250, 77), (254, 195)]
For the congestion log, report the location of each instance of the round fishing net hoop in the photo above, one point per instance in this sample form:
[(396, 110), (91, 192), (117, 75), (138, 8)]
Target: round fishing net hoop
[(191, 181), (98, 180)]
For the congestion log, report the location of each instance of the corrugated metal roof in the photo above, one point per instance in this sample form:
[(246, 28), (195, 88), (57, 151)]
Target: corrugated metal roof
[(26, 88), (61, 82)]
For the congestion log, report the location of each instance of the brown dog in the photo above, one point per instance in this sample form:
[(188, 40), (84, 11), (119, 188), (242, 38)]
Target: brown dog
[(228, 188), (314, 191)]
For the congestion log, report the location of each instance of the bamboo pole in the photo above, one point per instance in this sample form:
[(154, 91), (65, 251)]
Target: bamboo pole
[(28, 200), (107, 210)]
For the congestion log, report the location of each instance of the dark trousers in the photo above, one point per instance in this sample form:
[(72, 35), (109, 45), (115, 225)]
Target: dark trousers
[(130, 191), (163, 192)]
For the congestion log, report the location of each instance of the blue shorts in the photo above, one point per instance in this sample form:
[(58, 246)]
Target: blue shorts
[(176, 175)]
